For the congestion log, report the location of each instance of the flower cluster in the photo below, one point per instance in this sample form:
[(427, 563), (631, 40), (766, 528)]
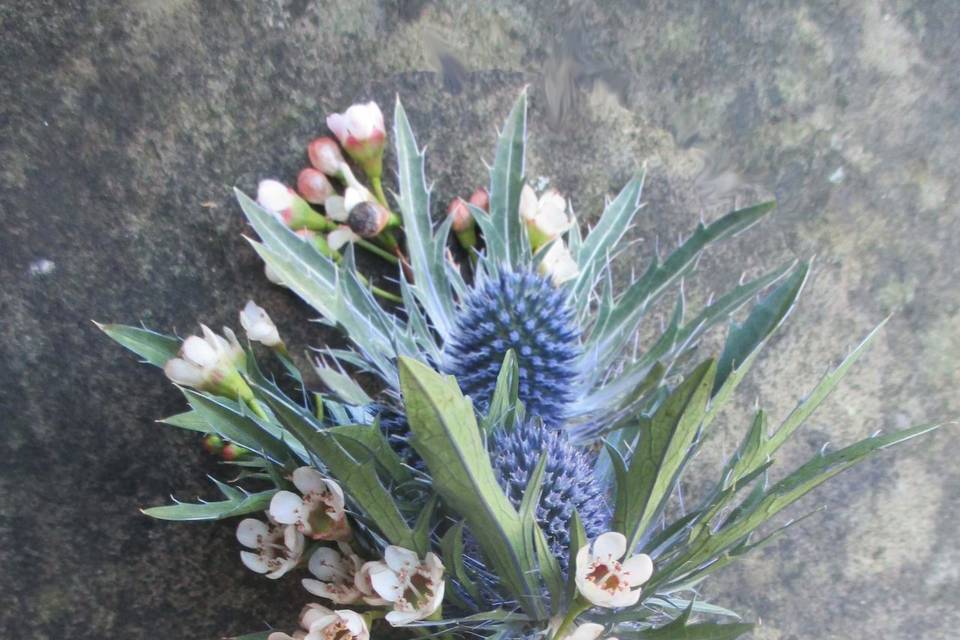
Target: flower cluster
[(512, 469)]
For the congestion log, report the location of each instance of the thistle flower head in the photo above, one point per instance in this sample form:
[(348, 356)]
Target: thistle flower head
[(569, 481), (524, 312)]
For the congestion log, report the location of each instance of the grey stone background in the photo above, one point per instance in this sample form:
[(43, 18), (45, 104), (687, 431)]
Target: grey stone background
[(125, 124)]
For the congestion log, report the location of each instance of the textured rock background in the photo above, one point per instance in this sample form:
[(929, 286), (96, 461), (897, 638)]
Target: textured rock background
[(125, 125)]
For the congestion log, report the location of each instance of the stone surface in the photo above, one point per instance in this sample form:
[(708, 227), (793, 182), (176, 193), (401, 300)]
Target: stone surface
[(125, 125)]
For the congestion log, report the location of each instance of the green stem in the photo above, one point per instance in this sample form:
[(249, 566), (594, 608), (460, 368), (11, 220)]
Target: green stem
[(577, 607), (378, 191), (257, 409), (372, 248), (386, 295)]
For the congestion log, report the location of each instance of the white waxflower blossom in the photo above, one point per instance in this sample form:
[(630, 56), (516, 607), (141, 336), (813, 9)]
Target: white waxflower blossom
[(361, 131), (258, 325), (588, 631), (558, 264), (277, 548), (546, 218), (603, 579), (334, 575), (321, 623), (209, 363), (414, 587), (319, 512), (360, 124)]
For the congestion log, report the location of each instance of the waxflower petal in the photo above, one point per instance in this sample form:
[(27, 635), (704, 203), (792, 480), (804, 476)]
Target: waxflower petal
[(603, 579), (258, 325), (558, 264)]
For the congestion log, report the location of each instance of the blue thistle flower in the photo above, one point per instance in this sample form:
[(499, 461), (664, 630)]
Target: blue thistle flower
[(568, 483), (524, 312), (395, 427)]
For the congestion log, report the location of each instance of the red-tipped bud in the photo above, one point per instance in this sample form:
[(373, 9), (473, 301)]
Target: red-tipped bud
[(232, 452), (212, 444), (462, 219), (314, 186), (325, 156), (361, 131), (480, 199)]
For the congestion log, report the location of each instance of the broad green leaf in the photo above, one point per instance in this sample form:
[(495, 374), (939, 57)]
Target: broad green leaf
[(698, 631), (343, 386), (510, 246), (155, 348), (763, 320), (354, 474), (362, 440), (446, 435), (239, 505), (451, 546), (603, 238), (431, 286), (660, 455)]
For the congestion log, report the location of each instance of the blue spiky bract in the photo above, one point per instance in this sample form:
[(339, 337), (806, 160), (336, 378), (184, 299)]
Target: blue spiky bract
[(524, 312), (569, 481)]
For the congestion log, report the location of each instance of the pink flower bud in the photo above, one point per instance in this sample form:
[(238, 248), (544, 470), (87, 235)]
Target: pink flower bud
[(325, 155), (480, 199), (462, 219), (314, 186)]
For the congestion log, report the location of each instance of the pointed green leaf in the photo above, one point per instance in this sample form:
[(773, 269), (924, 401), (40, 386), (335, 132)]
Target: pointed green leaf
[(451, 546), (660, 454), (623, 320), (237, 506), (604, 237), (189, 420), (763, 320), (505, 395), (506, 182), (431, 287), (155, 348)]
